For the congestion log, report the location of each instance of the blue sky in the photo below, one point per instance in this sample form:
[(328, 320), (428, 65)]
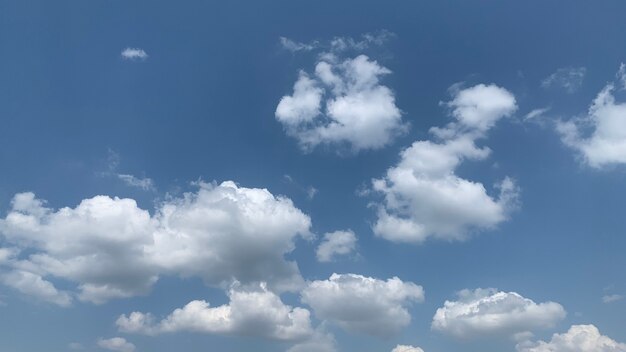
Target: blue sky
[(312, 176)]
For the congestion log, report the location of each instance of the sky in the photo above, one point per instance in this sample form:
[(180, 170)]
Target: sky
[(324, 176)]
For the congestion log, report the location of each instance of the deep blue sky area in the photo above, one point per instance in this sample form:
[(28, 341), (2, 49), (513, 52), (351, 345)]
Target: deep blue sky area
[(79, 119)]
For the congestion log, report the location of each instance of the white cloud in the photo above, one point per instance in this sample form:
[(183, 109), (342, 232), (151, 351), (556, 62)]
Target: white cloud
[(250, 312), (294, 46), (423, 196), (145, 183), (111, 248), (118, 344), (621, 75), (536, 114), (334, 244), (134, 54), (407, 348), (605, 144), (339, 44), (342, 104), (488, 311), (225, 232), (568, 78), (34, 285), (579, 338), (75, 346), (363, 304), (612, 298)]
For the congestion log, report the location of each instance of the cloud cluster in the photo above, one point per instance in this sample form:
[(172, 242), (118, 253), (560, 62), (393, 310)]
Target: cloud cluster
[(488, 312), (257, 312), (579, 338), (335, 244), (600, 136), (111, 248), (424, 197), (343, 103), (363, 304)]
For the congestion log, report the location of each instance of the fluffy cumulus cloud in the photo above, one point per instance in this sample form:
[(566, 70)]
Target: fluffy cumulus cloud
[(134, 54), (111, 248), (363, 304), (568, 78), (335, 244), (490, 312), (600, 136), (579, 338), (423, 196), (342, 103), (118, 344), (407, 348), (250, 313)]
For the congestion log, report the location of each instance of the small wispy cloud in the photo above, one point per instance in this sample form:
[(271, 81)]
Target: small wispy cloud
[(134, 54), (568, 78), (145, 184), (339, 44), (294, 46), (612, 298), (112, 165)]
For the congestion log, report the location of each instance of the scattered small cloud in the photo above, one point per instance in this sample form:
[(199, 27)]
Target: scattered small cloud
[(112, 165), (338, 44), (335, 244), (75, 346), (118, 344), (568, 78), (145, 183), (407, 348), (134, 54), (612, 298), (294, 46)]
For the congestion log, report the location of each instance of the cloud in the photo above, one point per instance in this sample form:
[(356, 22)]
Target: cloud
[(320, 341), (34, 285), (111, 248), (423, 196), (294, 46), (612, 298), (407, 348), (605, 124), (339, 44), (492, 312), (134, 54), (334, 244), (250, 313), (579, 338), (342, 104), (568, 78), (363, 304), (536, 114), (75, 346), (116, 344), (145, 184)]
